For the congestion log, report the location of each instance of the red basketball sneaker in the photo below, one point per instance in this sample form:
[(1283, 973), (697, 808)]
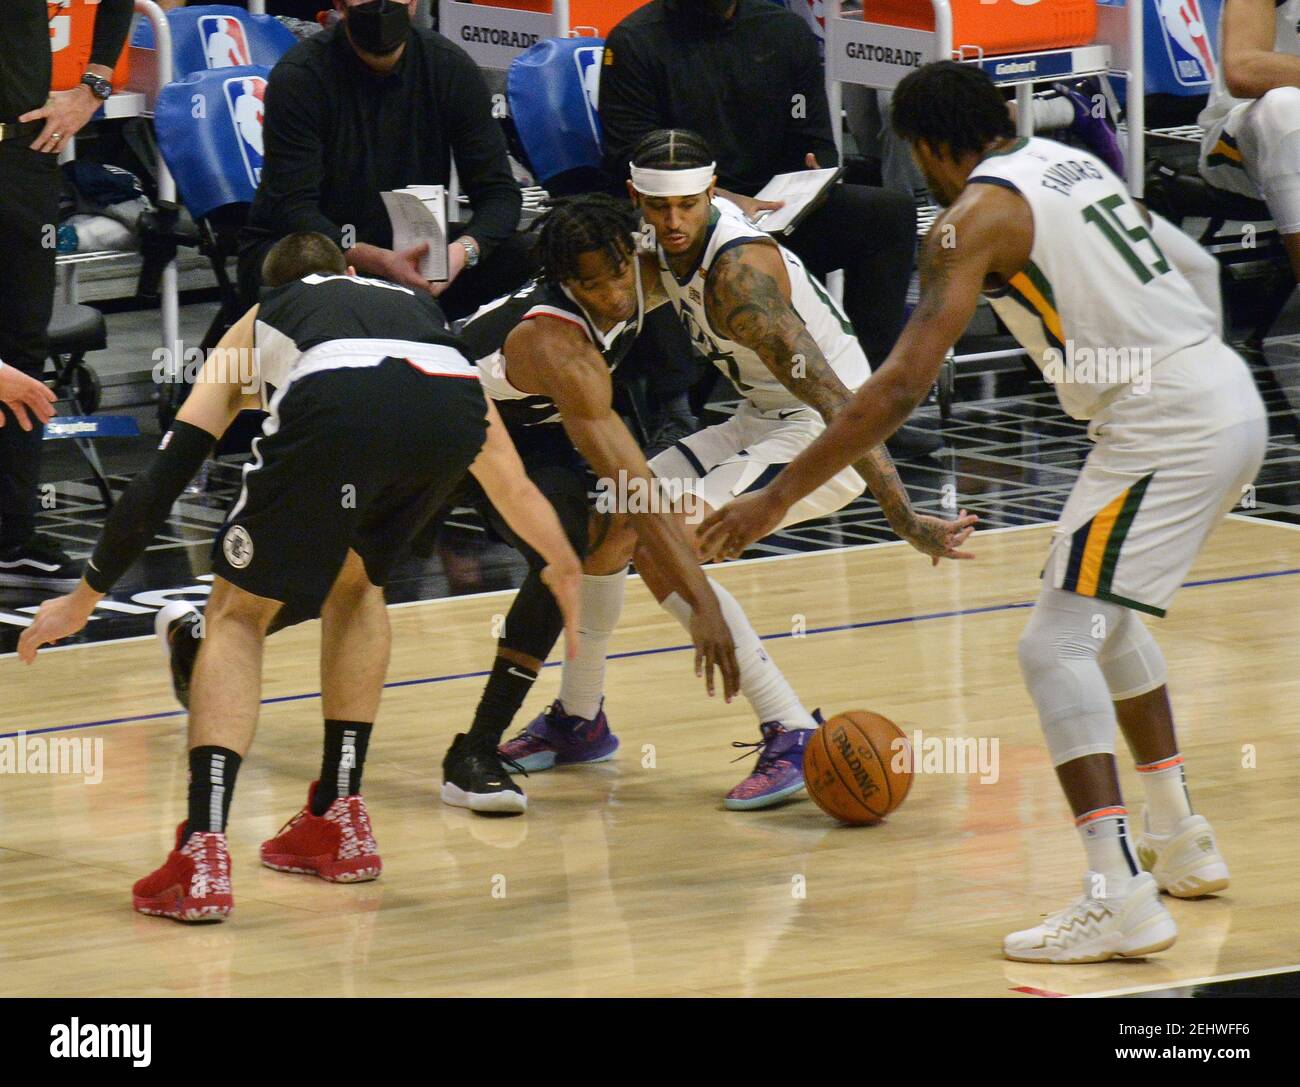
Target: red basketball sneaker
[(338, 846), (193, 886)]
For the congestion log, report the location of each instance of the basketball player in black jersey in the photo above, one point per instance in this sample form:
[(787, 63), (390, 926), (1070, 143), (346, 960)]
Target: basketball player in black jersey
[(376, 414), (546, 355)]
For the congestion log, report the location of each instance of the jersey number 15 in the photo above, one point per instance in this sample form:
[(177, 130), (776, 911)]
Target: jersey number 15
[(1105, 216)]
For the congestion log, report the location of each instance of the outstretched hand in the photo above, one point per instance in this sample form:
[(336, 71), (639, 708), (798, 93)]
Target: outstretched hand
[(23, 394), (940, 538), (726, 533)]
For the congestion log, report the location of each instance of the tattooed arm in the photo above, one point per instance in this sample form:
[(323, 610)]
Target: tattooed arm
[(747, 298), (994, 233)]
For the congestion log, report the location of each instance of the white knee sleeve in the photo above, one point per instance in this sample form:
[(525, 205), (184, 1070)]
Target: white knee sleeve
[(1131, 660), (1059, 653), (1274, 135)]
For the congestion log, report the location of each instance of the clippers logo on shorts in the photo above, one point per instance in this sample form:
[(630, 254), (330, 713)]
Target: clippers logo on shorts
[(587, 60), (1187, 42), (238, 547), (244, 97), (224, 42)]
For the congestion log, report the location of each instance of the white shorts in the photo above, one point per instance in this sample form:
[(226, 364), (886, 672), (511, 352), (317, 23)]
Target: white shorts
[(1168, 464), (746, 452), (1254, 150)]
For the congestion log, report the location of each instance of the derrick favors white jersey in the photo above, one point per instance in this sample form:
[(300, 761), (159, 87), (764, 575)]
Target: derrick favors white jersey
[(1097, 304), (750, 375)]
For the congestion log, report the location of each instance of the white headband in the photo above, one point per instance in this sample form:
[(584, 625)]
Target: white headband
[(672, 182)]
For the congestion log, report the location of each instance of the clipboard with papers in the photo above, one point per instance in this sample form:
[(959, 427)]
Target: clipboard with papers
[(419, 214), (803, 192)]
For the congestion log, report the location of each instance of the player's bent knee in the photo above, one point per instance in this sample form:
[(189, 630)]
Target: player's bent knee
[(1131, 660), (228, 603), (1277, 112), (611, 543)]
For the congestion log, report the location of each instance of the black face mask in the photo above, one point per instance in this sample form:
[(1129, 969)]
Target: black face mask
[(380, 26), (701, 14)]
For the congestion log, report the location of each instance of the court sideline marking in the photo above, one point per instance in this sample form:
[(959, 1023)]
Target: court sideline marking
[(837, 628)]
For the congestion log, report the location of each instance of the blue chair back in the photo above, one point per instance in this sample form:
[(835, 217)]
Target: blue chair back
[(210, 133), (1182, 45), (211, 36), (552, 90)]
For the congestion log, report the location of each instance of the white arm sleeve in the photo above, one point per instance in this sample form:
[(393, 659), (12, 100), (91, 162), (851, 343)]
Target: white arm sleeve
[(1199, 268)]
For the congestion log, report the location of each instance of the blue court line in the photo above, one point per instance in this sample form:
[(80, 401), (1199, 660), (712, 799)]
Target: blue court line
[(868, 624)]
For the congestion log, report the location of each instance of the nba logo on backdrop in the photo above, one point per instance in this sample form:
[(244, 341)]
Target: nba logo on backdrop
[(1187, 40), (224, 43), (244, 99), (588, 62)]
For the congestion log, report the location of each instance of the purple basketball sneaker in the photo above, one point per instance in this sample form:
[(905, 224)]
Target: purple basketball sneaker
[(778, 773), (1092, 125), (556, 738)]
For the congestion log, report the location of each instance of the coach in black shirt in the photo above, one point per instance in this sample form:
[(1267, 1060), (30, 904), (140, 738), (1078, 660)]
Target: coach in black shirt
[(35, 125), (375, 104), (746, 75)]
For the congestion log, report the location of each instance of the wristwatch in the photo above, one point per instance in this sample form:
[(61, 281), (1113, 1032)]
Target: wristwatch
[(471, 250), (100, 87)]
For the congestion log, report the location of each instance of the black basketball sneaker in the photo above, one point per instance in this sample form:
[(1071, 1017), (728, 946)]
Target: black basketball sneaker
[(476, 777), (39, 564), (179, 627)]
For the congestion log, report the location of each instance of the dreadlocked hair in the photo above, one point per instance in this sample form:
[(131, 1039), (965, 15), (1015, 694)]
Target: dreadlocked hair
[(951, 105), (583, 224), (672, 149)]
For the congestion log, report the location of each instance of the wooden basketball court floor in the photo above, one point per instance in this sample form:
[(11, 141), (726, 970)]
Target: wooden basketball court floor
[(629, 878)]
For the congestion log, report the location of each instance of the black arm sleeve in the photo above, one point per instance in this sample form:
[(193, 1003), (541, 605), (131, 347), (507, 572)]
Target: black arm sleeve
[(482, 162), (293, 165), (112, 21), (143, 508), (811, 132), (629, 101)]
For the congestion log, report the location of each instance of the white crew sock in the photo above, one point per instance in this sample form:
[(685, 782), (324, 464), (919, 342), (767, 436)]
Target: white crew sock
[(761, 681), (582, 683), (1104, 832), (1165, 786)]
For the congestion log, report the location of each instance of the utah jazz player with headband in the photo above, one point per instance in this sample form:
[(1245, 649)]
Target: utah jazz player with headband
[(754, 311)]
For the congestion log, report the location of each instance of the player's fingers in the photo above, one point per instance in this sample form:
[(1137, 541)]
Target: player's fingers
[(730, 672), (20, 413)]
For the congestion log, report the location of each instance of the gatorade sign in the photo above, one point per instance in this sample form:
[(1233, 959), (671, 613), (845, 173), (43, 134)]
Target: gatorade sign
[(875, 54), (493, 36)]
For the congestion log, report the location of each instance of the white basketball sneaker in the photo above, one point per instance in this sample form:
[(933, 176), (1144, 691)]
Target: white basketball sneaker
[(1186, 862), (1097, 929)]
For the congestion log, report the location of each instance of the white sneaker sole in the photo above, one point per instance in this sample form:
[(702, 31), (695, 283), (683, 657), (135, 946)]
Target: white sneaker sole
[(1207, 880), (506, 802), (1157, 933)]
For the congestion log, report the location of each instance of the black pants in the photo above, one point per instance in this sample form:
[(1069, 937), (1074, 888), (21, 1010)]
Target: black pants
[(29, 216), (871, 234), (506, 269)]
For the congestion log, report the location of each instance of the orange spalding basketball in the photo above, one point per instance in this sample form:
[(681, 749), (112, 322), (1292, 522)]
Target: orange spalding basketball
[(858, 767)]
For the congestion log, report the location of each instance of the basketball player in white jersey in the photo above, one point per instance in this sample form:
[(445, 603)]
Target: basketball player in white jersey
[(1073, 265), (754, 310), (1252, 118), (376, 414)]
